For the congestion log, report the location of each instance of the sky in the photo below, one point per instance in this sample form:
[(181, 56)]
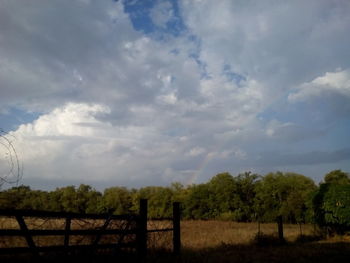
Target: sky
[(146, 92)]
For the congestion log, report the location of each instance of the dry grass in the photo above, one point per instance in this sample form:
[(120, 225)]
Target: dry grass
[(216, 241), (206, 234), (56, 224)]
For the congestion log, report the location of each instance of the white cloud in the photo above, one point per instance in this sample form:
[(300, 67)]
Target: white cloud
[(48, 135), (291, 132), (337, 82), (51, 51), (196, 151), (278, 44), (76, 141), (71, 142), (119, 104), (113, 99), (162, 13)]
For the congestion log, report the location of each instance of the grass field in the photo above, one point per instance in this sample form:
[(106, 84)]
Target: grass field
[(206, 234), (219, 241)]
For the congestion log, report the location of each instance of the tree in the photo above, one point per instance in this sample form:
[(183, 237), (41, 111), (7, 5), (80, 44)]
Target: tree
[(336, 207), (88, 199), (180, 192), (337, 177), (117, 200), (160, 200), (197, 205), (223, 198), (246, 190), (283, 194), (84, 199), (67, 199), (331, 203), (15, 197)]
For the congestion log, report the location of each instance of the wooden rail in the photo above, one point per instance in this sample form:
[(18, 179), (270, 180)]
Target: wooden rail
[(136, 226)]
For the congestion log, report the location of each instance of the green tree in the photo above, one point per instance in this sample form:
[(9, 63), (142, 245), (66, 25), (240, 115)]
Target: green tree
[(180, 192), (88, 199), (283, 194), (331, 203), (337, 177), (117, 200), (54, 202), (22, 197), (223, 198), (246, 191), (197, 205), (68, 199), (84, 199), (336, 207), (160, 200), (14, 197), (37, 200)]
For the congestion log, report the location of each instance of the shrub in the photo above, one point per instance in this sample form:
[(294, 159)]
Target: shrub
[(332, 207)]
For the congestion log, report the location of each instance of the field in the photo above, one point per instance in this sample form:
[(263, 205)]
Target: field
[(219, 241), (206, 234)]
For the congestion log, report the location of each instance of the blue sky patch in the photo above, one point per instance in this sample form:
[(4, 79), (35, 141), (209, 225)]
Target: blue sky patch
[(14, 117), (140, 15)]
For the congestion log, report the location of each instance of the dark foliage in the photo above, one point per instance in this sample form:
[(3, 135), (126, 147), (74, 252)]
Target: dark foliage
[(247, 197)]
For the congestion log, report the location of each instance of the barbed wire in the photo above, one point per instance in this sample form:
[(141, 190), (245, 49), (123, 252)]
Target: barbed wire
[(159, 240), (9, 157)]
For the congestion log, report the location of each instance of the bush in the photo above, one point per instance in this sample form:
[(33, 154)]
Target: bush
[(332, 207)]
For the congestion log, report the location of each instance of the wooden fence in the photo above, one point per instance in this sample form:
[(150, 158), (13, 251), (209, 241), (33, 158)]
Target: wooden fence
[(103, 231)]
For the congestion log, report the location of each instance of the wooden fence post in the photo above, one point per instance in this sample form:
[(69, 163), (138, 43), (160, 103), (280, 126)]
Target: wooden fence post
[(280, 228), (142, 229), (176, 228), (67, 232), (26, 234)]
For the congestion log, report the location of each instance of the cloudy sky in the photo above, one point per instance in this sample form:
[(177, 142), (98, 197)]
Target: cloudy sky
[(140, 92)]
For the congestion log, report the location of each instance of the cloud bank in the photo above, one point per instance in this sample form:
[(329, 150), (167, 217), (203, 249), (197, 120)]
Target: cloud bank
[(239, 86)]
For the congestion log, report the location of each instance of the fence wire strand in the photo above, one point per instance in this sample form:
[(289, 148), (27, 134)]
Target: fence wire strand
[(159, 240)]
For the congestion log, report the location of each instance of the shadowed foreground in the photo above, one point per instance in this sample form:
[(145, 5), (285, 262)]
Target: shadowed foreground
[(218, 241), (292, 252)]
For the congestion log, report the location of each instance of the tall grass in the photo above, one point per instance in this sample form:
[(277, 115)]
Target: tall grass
[(219, 241), (206, 234)]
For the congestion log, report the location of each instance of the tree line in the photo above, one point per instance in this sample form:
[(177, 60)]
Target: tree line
[(247, 197)]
